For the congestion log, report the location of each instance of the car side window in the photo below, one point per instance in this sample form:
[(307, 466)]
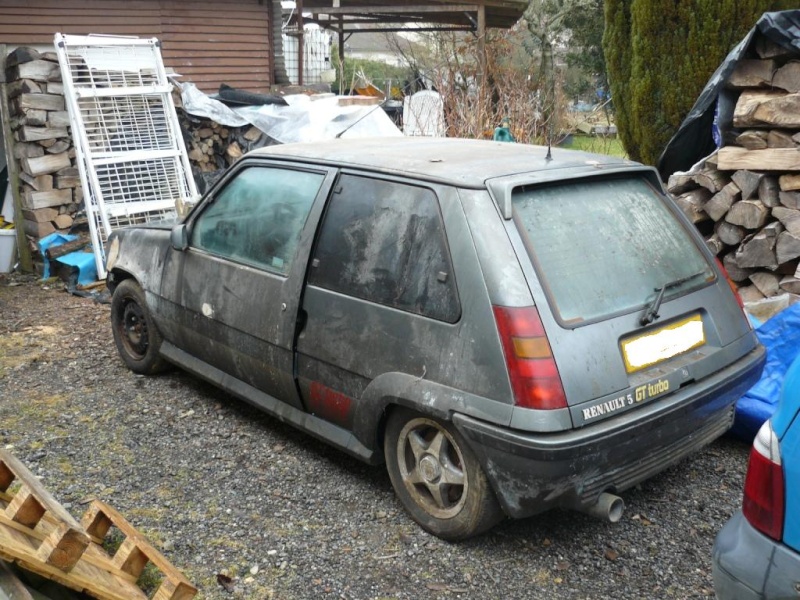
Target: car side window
[(384, 242), (257, 217)]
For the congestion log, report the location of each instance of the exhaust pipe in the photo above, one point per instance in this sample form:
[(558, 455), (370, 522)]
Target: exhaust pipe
[(607, 508)]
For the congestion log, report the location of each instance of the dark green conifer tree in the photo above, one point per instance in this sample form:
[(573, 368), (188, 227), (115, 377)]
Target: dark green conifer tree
[(659, 55)]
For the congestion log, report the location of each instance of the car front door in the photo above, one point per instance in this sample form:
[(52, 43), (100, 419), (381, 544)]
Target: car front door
[(234, 291)]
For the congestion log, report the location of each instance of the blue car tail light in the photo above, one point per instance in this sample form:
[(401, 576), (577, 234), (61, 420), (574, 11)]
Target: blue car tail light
[(764, 497)]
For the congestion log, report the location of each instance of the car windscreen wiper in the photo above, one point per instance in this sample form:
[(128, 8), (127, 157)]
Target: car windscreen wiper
[(651, 314)]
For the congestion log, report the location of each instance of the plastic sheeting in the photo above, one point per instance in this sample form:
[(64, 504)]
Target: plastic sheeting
[(694, 139), (305, 119), (781, 337)]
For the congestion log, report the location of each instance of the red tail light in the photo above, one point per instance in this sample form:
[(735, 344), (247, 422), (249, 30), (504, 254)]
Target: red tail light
[(531, 366), (763, 504), (734, 289)]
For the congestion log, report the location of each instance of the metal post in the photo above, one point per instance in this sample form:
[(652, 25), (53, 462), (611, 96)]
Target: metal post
[(300, 42), (482, 44)]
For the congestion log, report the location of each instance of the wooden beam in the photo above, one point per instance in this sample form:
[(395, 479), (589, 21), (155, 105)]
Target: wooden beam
[(25, 259), (396, 10), (482, 45)]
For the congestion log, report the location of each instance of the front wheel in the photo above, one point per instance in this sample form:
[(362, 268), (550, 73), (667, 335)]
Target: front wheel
[(135, 334), (437, 477)]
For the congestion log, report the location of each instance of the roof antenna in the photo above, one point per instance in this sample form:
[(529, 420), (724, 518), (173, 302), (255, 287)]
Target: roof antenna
[(361, 118)]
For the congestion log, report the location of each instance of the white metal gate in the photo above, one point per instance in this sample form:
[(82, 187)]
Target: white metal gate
[(129, 148)]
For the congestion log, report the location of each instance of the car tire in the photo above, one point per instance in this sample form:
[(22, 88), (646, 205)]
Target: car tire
[(437, 478), (135, 334)]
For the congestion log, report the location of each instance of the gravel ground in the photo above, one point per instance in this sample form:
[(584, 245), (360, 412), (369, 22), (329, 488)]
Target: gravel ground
[(223, 489)]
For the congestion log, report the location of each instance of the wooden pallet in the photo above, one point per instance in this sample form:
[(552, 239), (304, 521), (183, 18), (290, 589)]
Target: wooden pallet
[(39, 535)]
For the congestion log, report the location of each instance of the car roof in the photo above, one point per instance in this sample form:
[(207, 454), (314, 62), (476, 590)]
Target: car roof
[(467, 163)]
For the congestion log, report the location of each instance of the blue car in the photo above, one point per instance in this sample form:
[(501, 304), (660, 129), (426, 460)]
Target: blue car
[(757, 553)]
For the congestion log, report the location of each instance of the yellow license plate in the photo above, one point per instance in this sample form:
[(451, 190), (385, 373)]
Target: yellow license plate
[(650, 348)]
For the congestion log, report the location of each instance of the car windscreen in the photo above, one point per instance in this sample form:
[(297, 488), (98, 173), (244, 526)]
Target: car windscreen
[(606, 246)]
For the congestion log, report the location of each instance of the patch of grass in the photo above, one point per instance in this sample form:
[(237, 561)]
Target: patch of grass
[(597, 145)]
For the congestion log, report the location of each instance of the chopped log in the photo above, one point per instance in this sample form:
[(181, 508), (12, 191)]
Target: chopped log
[(63, 221), (796, 137), (59, 147), (23, 150), (234, 151), (40, 215), (58, 118), (750, 293), (730, 234), (38, 230), (715, 245), (34, 200), (753, 139), (767, 283), (22, 55), (712, 180), (788, 77), (781, 112), (34, 134), (750, 214), (37, 70), (735, 272), (679, 183), (253, 134), (790, 284), (692, 203), (790, 199), (732, 158), (766, 48), (41, 101), (68, 177), (780, 139), (40, 183), (787, 247), (769, 191), (789, 183), (47, 143), (205, 132), (748, 102), (750, 73), (748, 182), (55, 87), (23, 86), (65, 248), (34, 117), (45, 164), (789, 217), (721, 202), (757, 250)]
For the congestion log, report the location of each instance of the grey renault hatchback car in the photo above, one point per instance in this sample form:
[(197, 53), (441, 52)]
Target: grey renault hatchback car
[(509, 331)]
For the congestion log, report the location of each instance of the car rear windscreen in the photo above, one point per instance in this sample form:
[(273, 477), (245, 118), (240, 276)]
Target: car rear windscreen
[(606, 246)]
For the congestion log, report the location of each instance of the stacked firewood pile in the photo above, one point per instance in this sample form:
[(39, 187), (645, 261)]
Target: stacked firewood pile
[(50, 184), (213, 147), (745, 198)]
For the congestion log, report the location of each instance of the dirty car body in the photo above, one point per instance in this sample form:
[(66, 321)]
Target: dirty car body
[(507, 331)]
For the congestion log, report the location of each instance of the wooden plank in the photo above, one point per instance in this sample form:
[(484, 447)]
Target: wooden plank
[(24, 251), (732, 158)]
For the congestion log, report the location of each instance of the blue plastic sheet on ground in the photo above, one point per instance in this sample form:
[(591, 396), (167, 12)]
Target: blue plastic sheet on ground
[(781, 337), (50, 241), (84, 263)]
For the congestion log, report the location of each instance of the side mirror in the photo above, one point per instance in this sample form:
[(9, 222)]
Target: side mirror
[(179, 237)]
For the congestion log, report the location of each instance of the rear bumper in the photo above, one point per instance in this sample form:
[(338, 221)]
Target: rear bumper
[(750, 566), (531, 473)]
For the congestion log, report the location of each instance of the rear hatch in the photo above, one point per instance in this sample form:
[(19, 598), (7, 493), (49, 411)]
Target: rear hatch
[(632, 302)]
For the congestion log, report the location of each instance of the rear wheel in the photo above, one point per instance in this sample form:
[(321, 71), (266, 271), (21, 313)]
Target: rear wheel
[(135, 334), (437, 477)]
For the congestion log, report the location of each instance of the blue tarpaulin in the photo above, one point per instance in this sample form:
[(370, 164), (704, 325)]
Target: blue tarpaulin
[(781, 337)]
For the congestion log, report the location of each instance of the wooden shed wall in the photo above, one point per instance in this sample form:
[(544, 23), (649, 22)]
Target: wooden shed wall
[(208, 42)]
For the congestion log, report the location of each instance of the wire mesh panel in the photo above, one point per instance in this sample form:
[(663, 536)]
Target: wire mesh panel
[(131, 156)]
